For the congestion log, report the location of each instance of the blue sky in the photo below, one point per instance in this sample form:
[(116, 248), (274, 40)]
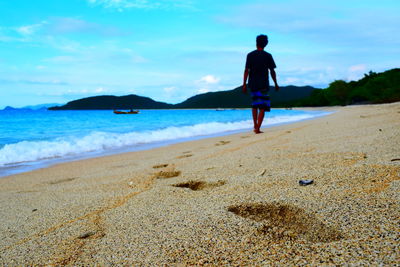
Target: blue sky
[(54, 51)]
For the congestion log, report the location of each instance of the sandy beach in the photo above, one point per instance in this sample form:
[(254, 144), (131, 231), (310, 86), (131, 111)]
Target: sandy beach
[(231, 200)]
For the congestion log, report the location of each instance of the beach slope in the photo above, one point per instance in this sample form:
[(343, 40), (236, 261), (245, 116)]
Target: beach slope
[(226, 200)]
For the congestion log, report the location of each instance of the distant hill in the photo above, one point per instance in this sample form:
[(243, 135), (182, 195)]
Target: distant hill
[(236, 99), (9, 108), (113, 102), (222, 99), (41, 106), (30, 108)]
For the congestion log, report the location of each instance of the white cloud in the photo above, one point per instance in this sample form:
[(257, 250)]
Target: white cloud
[(357, 68), (170, 89), (65, 25), (356, 72), (170, 94), (121, 5), (314, 76), (23, 33), (209, 79), (326, 22), (26, 30), (63, 59), (30, 29), (75, 92), (100, 90), (52, 31), (207, 83), (203, 91), (290, 80), (34, 81)]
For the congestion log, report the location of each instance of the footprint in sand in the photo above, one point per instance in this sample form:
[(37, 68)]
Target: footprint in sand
[(160, 166), (184, 156), (169, 172), (200, 185), (221, 143), (63, 180), (286, 222), (28, 191)]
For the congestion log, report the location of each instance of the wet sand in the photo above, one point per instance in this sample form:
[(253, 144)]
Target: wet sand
[(232, 200)]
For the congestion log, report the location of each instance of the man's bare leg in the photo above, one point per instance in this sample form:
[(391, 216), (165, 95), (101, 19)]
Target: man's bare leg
[(260, 120), (255, 119)]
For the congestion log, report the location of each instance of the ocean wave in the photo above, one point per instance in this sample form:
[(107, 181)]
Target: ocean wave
[(31, 151)]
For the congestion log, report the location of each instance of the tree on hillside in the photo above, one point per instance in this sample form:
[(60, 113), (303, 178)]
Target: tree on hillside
[(372, 88), (337, 92)]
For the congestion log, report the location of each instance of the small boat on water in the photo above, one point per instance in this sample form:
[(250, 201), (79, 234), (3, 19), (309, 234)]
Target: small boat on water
[(126, 112)]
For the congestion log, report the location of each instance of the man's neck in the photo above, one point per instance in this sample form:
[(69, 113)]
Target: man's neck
[(260, 48)]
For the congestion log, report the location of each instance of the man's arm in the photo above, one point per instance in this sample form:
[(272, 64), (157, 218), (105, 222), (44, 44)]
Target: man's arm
[(245, 75), (273, 75)]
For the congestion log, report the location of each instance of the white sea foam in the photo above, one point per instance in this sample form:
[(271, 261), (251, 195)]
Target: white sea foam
[(31, 151)]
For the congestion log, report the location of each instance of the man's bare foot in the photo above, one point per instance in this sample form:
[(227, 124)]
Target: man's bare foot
[(257, 131)]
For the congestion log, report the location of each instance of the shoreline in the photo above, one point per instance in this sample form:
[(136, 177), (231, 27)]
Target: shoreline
[(231, 199), (22, 167)]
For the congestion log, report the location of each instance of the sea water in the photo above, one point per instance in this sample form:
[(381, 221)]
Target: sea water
[(33, 139)]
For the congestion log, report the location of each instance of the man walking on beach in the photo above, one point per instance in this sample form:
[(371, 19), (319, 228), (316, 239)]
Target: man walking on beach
[(258, 63)]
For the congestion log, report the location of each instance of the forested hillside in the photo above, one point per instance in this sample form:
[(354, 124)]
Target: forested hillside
[(374, 88)]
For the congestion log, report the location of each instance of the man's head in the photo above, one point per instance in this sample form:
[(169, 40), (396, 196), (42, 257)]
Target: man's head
[(262, 41)]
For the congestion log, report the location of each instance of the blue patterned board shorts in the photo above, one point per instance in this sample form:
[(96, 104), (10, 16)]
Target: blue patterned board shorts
[(260, 99)]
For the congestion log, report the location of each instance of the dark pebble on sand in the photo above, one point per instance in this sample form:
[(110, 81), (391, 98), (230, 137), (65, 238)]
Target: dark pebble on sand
[(86, 235), (306, 182)]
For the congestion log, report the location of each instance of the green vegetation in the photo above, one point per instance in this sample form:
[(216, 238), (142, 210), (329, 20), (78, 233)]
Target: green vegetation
[(374, 88), (223, 99), (236, 99), (113, 102)]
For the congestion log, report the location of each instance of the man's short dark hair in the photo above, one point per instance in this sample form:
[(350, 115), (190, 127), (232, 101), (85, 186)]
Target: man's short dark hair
[(262, 40)]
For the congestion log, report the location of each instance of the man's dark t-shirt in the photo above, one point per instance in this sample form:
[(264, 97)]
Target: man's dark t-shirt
[(258, 62)]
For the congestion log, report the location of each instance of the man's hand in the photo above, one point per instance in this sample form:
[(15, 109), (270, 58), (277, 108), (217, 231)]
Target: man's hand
[(273, 76), (245, 75), (244, 89)]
